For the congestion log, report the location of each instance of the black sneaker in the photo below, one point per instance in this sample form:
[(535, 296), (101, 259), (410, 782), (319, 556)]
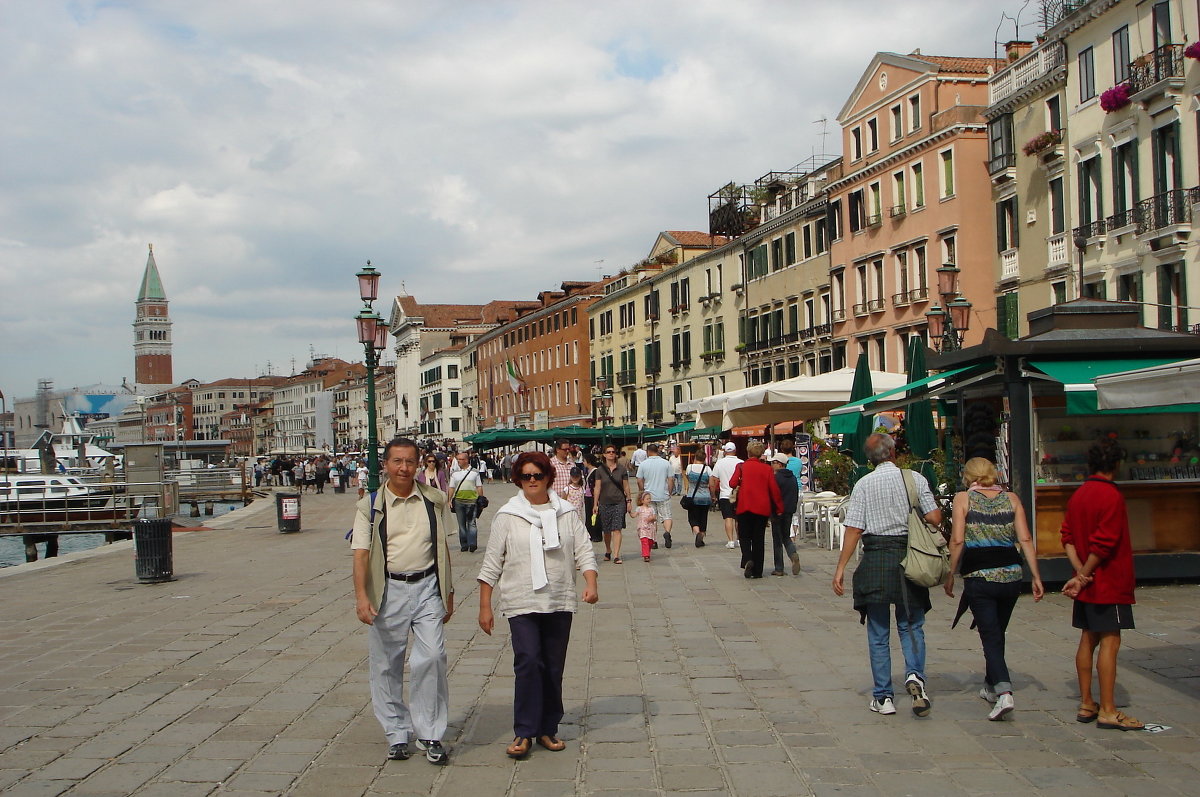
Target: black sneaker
[(667, 538), (398, 752), (654, 545), (434, 752)]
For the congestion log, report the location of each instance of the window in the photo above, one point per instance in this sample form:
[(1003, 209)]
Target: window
[(777, 254), (949, 249), (920, 276), (1097, 289), (1171, 291), (651, 306), (1006, 224), (794, 317), (899, 195), (685, 293), (822, 237), (807, 240), (1129, 289), (914, 112), (756, 262), (810, 312), (1120, 47), (452, 372), (839, 291), (873, 135), (947, 173), (856, 143), (1053, 113), (1000, 143), (1087, 75), (877, 271), (1165, 152), (897, 123), (918, 185), (1058, 291), (453, 398), (1058, 215), (789, 246), (861, 305), (876, 209), (902, 276), (1124, 168), (1091, 206), (858, 211)]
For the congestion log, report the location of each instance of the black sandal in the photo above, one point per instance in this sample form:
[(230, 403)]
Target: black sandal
[(520, 747), (608, 556)]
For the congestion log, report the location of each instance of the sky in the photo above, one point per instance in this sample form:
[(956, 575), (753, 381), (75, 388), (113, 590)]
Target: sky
[(471, 150)]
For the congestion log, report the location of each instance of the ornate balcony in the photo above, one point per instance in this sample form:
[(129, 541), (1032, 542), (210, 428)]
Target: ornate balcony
[(918, 295), (860, 308), (1056, 251), (875, 305), (1090, 231), (1148, 74), (874, 220), (1029, 69), (839, 315), (1010, 267), (824, 330), (1166, 212), (896, 211), (1121, 219), (900, 299), (626, 377)]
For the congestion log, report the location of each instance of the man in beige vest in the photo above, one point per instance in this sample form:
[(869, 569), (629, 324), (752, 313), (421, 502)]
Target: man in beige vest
[(402, 585)]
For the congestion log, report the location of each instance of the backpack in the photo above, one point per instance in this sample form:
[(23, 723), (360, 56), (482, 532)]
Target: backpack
[(927, 562)]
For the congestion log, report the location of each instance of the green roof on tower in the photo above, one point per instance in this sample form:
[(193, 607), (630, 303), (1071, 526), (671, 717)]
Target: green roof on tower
[(152, 288)]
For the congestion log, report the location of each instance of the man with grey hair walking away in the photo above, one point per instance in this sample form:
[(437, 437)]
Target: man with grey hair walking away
[(878, 513)]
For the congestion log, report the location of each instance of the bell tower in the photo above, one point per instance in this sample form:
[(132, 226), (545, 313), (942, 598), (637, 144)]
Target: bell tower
[(152, 330)]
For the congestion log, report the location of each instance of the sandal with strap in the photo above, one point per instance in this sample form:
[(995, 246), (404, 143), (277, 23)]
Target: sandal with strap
[(617, 561), (552, 743), (1086, 714), (520, 747), (1121, 722)]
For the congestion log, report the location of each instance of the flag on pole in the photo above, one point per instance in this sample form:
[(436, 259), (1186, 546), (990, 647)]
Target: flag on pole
[(515, 380)]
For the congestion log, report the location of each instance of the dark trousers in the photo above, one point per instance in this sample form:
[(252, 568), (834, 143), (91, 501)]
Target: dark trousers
[(593, 529), (991, 605), (752, 530), (781, 538), (539, 642)]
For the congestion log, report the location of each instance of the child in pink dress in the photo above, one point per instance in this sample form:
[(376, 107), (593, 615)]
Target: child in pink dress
[(647, 524), (575, 493)]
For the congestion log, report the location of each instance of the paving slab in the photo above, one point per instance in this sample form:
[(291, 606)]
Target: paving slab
[(247, 675)]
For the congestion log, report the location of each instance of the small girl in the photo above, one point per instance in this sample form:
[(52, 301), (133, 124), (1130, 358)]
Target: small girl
[(647, 524), (575, 493)]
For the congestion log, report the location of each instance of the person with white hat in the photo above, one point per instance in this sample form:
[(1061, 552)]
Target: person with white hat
[(722, 472)]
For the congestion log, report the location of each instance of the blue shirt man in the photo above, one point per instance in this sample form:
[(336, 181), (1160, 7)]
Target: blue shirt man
[(655, 477)]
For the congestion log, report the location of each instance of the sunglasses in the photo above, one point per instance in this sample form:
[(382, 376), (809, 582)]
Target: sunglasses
[(530, 477)]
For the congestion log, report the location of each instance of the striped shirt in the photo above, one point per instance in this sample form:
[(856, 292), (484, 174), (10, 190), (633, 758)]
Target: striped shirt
[(879, 501)]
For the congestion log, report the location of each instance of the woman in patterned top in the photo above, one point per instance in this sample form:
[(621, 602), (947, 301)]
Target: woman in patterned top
[(988, 525)]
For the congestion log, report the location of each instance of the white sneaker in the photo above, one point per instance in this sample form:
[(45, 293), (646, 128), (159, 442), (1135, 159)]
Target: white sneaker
[(883, 705), (916, 687), (987, 693), (1004, 704), (730, 544), (737, 543)]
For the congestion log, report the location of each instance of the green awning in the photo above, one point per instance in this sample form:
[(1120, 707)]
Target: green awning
[(844, 419), (1077, 375), (690, 428)]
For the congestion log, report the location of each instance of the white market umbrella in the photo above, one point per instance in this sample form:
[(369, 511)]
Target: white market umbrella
[(1157, 386)]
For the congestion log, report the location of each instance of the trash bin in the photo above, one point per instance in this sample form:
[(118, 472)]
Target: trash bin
[(152, 543), (287, 512), (339, 481)]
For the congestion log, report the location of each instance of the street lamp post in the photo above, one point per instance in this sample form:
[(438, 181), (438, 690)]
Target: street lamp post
[(372, 334), (947, 326)]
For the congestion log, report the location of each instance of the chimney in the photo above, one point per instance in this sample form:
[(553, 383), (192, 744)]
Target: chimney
[(1015, 49)]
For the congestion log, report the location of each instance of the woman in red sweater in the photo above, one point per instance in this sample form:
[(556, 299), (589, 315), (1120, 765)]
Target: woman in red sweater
[(1095, 534), (758, 499)]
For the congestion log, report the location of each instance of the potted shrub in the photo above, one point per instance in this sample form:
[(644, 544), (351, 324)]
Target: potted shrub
[(1115, 98), (1042, 142)]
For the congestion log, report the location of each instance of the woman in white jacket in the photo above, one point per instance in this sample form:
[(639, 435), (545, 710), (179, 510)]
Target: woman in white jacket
[(537, 542)]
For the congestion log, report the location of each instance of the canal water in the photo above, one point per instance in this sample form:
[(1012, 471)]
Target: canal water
[(12, 548)]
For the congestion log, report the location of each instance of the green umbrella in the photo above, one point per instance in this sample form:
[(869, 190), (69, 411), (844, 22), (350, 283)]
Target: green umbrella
[(860, 389), (918, 418)]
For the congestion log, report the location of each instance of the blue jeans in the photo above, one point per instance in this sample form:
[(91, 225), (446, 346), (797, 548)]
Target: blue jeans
[(468, 531), (992, 606), (912, 642)]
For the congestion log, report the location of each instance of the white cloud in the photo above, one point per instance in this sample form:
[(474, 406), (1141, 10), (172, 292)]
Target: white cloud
[(268, 149)]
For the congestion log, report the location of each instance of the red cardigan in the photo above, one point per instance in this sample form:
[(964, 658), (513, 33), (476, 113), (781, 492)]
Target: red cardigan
[(1096, 522), (759, 491)]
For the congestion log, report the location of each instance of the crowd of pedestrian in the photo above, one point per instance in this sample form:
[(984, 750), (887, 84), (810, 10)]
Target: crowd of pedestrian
[(576, 498)]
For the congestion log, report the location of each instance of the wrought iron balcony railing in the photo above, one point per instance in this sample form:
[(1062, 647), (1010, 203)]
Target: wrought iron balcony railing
[(1156, 66)]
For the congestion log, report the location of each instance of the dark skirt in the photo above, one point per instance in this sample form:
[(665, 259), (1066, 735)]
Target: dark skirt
[(879, 577)]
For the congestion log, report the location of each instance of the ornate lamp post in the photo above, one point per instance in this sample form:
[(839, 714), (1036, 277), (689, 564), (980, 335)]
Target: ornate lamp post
[(947, 326), (372, 334)]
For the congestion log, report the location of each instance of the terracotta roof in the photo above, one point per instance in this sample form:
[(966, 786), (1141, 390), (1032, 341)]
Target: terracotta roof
[(696, 238), (270, 381), (954, 63), (440, 315)]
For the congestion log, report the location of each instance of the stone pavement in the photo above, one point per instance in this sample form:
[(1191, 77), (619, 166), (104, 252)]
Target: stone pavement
[(247, 675)]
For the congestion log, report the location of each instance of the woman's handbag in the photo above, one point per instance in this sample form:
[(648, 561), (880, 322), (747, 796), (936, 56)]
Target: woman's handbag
[(482, 502)]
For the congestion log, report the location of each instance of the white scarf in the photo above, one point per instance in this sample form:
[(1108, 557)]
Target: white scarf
[(543, 530)]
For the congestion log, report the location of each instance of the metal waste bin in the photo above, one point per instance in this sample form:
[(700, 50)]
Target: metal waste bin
[(152, 542), (287, 512)]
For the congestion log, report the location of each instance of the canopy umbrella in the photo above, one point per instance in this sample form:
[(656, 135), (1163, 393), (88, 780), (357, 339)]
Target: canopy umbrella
[(861, 389), (918, 418), (796, 399)]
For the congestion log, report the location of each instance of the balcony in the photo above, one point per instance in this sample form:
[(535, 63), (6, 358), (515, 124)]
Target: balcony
[(1002, 167), (711, 356), (1010, 267), (808, 334), (791, 337), (860, 308), (1090, 231), (900, 299), (874, 220), (1121, 219), (896, 211), (824, 330), (1056, 251), (1166, 213), (683, 363), (875, 305), (1029, 69), (1155, 71), (626, 377), (918, 295), (838, 315)]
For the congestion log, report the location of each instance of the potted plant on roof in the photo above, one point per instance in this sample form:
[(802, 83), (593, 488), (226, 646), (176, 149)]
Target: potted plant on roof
[(1116, 98)]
